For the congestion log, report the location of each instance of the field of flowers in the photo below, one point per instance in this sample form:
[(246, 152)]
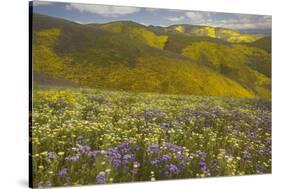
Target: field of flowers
[(90, 136)]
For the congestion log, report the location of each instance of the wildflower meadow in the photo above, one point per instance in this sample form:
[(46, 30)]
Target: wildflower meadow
[(92, 136)]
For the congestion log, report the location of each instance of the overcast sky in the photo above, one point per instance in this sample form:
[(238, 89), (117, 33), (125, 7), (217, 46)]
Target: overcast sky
[(91, 13)]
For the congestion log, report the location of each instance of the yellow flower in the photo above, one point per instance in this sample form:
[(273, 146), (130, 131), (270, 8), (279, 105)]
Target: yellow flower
[(41, 167), (61, 153), (107, 170), (44, 153)]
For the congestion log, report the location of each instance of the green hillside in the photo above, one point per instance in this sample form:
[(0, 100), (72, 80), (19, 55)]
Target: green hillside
[(136, 31), (214, 32), (263, 43), (130, 56), (249, 66), (246, 63)]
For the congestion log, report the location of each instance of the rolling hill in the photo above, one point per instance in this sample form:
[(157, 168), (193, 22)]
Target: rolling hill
[(263, 43), (214, 32), (125, 55), (135, 31)]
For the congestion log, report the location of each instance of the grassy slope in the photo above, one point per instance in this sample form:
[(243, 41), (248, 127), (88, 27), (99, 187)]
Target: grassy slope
[(245, 63), (95, 57), (137, 32), (219, 33), (263, 43), (249, 66)]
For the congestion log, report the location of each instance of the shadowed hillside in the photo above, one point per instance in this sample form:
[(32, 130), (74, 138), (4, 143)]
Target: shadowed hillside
[(263, 43)]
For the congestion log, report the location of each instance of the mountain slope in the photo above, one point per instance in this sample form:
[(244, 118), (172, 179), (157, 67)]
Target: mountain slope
[(95, 56), (136, 31), (249, 66), (214, 32), (246, 63), (263, 43)]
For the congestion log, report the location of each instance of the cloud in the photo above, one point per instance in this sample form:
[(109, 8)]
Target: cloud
[(81, 22), (245, 22), (103, 10), (41, 3), (175, 19), (144, 23), (228, 20), (198, 17)]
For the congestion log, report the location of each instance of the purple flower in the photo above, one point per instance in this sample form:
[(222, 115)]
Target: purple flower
[(72, 158), (154, 162), (62, 172), (174, 148), (52, 155), (203, 166), (267, 141), (153, 148), (136, 164), (202, 163), (202, 155), (100, 178), (129, 157), (182, 158), (172, 169), (260, 169), (247, 158), (165, 158), (123, 147), (134, 171), (149, 114), (136, 148), (116, 163), (83, 149), (113, 153), (94, 153)]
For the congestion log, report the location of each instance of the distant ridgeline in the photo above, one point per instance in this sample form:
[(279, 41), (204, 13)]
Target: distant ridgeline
[(179, 59)]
